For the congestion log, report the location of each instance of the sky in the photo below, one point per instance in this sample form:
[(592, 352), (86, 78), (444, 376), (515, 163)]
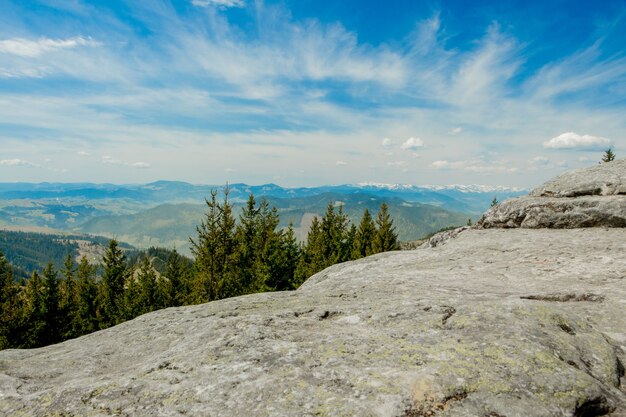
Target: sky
[(309, 92)]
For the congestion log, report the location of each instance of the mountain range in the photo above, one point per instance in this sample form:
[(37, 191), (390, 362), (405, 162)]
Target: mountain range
[(165, 213)]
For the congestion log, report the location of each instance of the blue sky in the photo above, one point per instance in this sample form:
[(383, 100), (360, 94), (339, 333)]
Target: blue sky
[(305, 92)]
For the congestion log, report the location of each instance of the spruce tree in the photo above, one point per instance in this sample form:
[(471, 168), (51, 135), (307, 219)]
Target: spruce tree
[(289, 255), (35, 312), (267, 249), (227, 279), (147, 298), (87, 293), (246, 237), (176, 274), (608, 155), (52, 317), (205, 249), (364, 236), (113, 281), (10, 309), (6, 279), (69, 300), (386, 238)]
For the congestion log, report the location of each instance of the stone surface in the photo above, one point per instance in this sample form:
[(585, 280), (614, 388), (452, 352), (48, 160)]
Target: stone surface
[(590, 197), (519, 322), (523, 322)]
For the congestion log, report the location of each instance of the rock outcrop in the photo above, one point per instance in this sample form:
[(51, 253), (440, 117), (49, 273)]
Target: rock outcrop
[(520, 322), (590, 197)]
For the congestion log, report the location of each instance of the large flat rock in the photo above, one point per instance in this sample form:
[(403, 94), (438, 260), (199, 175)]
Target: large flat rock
[(518, 322)]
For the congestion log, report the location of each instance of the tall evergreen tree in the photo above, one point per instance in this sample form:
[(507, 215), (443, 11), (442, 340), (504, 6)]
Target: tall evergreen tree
[(34, 312), (227, 272), (386, 238), (177, 275), (10, 309), (364, 236), (52, 316), (113, 281), (87, 293), (204, 248), (69, 301), (6, 279), (147, 298), (246, 236), (288, 257)]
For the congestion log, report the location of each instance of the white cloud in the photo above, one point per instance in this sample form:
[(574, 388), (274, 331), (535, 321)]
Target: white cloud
[(113, 161), (341, 163), (456, 130), (412, 144), (110, 160), (34, 48), (17, 162), (571, 140), (540, 160), (396, 163), (475, 167), (441, 164), (387, 143), (141, 165), (83, 153), (218, 3), (229, 170)]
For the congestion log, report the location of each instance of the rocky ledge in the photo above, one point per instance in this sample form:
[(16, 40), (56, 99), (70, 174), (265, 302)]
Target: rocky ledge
[(590, 197), (520, 322)]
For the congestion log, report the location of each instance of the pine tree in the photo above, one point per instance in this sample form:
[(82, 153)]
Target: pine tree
[(214, 250), (10, 308), (87, 293), (177, 276), (290, 255), (386, 238), (6, 279), (494, 202), (34, 312), (227, 274), (51, 301), (608, 155), (147, 298), (267, 247), (113, 281), (205, 249), (69, 301), (246, 237), (364, 236)]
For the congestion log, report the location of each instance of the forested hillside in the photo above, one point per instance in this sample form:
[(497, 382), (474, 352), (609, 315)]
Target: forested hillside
[(233, 255)]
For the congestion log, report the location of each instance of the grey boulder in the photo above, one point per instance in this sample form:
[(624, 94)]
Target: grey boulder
[(591, 197)]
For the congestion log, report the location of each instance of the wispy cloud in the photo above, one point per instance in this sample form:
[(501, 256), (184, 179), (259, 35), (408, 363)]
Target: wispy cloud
[(412, 144), (387, 143), (571, 140), (218, 3), (17, 162), (34, 48), (341, 163), (114, 161)]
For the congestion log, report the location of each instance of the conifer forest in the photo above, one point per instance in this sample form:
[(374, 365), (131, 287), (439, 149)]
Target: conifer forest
[(233, 255)]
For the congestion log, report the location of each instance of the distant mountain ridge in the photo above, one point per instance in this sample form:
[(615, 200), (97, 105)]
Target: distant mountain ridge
[(473, 199)]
